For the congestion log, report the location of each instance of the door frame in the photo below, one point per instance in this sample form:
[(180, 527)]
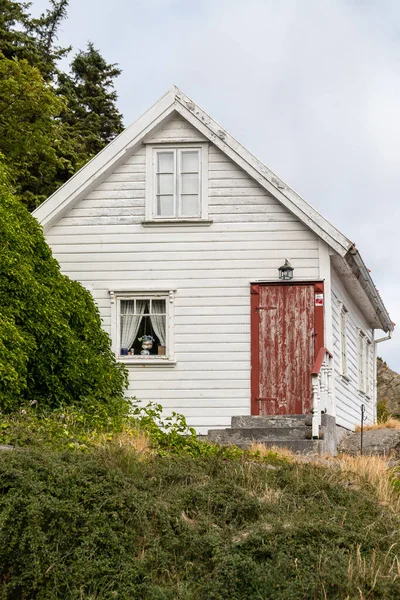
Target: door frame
[(319, 328)]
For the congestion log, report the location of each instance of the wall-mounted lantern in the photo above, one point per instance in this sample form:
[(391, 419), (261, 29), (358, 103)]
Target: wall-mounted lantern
[(286, 271)]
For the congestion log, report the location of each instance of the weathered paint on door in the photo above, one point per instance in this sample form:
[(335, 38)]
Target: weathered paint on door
[(283, 347)]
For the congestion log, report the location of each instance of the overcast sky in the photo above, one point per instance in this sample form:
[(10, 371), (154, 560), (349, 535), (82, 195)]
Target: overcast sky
[(311, 87)]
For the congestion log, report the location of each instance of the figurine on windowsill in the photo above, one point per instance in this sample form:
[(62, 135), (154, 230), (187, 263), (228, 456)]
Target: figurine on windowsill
[(147, 344)]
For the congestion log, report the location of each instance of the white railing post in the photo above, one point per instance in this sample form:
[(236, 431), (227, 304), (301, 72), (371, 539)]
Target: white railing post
[(329, 375), (321, 380), (316, 413)]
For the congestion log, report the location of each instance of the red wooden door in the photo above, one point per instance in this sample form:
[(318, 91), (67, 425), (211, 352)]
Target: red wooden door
[(283, 348)]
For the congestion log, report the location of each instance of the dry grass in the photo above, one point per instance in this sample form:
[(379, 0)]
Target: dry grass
[(389, 424), (371, 469), (372, 569), (271, 495), (135, 440), (374, 470), (265, 451)]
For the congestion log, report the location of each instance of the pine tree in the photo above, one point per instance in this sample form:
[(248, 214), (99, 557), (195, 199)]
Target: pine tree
[(92, 116), (23, 37), (44, 144)]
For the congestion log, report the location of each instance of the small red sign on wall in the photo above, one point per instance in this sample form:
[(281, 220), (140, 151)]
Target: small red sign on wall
[(319, 299)]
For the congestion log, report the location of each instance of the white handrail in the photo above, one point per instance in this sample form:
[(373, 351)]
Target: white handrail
[(321, 380)]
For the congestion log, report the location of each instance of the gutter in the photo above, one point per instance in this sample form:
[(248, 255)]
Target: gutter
[(384, 339), (357, 265)]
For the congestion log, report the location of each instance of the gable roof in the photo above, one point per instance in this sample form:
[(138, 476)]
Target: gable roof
[(69, 194)]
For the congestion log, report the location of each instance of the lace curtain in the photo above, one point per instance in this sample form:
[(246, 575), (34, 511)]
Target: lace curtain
[(159, 321), (130, 323)]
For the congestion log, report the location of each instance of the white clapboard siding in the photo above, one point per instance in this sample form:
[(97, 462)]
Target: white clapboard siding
[(348, 396), (175, 128), (102, 243)]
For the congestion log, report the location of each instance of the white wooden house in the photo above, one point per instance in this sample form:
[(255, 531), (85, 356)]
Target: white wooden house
[(179, 232)]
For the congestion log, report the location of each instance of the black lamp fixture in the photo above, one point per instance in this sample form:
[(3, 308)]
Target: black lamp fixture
[(286, 271)]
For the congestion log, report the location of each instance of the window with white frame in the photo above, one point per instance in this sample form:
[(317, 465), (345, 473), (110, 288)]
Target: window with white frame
[(343, 339), (176, 183), (142, 326), (364, 362), (368, 355)]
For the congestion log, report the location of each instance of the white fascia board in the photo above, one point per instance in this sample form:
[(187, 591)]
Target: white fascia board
[(260, 173), (358, 282), (357, 265), (71, 192)]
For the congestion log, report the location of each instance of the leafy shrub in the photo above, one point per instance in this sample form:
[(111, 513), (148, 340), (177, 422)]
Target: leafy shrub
[(107, 524), (53, 350), (81, 428)]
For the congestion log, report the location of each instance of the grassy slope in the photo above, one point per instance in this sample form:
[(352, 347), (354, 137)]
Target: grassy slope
[(112, 523)]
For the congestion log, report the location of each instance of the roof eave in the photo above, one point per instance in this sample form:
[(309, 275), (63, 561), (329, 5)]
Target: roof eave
[(362, 274)]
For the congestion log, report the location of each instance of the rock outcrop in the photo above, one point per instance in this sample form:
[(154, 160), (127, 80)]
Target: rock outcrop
[(381, 442), (388, 382)]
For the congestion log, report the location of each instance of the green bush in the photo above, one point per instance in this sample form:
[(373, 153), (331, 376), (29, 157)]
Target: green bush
[(82, 428), (53, 350), (110, 524)]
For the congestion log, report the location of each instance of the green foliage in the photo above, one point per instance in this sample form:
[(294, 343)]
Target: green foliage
[(51, 122), (83, 427), (52, 347), (172, 435), (65, 428), (29, 133), (33, 40), (110, 524)]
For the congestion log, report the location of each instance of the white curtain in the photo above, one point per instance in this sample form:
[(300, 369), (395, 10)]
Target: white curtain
[(130, 323), (159, 321)]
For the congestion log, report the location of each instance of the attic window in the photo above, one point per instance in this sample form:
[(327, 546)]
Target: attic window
[(177, 181)]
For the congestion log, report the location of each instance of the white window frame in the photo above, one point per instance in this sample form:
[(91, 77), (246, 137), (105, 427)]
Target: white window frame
[(343, 313), (169, 296), (364, 363), (368, 354), (151, 182)]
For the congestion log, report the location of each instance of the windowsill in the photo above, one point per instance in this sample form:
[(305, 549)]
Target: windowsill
[(345, 378), (146, 362), (364, 395), (177, 222)]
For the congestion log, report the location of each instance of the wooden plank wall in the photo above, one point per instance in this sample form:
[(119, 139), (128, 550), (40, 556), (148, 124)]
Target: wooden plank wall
[(102, 243), (348, 397)]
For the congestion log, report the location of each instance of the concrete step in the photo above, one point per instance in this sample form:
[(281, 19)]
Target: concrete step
[(251, 422), (296, 446), (257, 434)]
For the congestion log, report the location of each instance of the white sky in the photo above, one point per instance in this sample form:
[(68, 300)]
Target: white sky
[(311, 87)]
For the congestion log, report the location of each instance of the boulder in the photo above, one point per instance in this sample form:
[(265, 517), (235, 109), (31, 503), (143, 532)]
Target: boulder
[(381, 442)]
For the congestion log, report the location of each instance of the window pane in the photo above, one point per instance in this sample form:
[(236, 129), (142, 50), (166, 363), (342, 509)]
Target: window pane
[(190, 206), (190, 183), (165, 162), (165, 206), (127, 307), (158, 307), (190, 161), (165, 184)]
